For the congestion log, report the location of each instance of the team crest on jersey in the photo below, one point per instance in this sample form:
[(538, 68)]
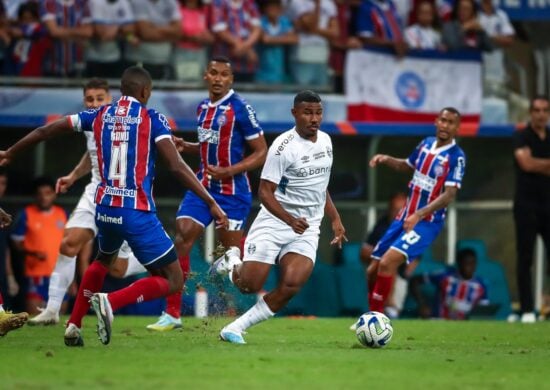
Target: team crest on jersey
[(121, 110), (439, 170), (329, 152), (222, 120), (251, 248)]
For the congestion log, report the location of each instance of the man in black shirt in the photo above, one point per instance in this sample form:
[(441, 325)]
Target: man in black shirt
[(532, 198)]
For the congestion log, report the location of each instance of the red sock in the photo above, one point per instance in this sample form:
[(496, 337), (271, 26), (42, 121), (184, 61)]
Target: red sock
[(92, 281), (173, 302), (380, 293), (142, 290)]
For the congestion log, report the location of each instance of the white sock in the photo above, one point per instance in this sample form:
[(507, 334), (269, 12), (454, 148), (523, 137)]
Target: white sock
[(256, 314), (61, 279), (134, 266)]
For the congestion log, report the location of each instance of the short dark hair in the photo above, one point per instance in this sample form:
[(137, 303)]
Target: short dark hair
[(134, 79), (43, 181), (452, 110), (223, 59), (96, 83), (465, 253), (306, 96), (537, 97)]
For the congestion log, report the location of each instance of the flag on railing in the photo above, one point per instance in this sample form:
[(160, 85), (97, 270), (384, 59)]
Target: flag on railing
[(382, 88)]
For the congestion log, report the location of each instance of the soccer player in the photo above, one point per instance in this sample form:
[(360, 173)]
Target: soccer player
[(437, 165), (226, 125), (128, 137), (9, 321), (81, 228), (294, 196)]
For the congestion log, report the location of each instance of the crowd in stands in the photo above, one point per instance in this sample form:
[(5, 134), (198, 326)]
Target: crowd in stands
[(268, 41)]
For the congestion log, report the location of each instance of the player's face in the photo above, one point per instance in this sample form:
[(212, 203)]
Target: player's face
[(45, 196), (540, 113), (219, 78), (95, 98), (447, 124), (308, 118)]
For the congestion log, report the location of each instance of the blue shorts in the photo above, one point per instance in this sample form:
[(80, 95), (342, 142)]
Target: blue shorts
[(411, 244), (38, 288), (237, 208), (141, 229)]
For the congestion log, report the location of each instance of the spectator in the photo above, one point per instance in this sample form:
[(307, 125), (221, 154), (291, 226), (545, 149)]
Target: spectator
[(464, 30), (112, 21), (68, 24), (236, 25), (37, 235), (277, 34), (5, 38), (496, 24), (317, 26), (193, 47), (12, 8), (458, 291), (379, 25), (30, 43), (424, 34), (158, 27), (531, 199)]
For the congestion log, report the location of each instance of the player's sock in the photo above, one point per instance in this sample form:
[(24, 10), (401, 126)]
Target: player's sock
[(1, 303), (141, 290), (61, 279), (92, 281), (381, 291), (256, 314), (134, 266), (173, 301)]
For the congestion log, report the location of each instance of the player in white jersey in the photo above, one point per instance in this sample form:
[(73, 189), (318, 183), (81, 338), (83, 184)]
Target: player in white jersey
[(81, 229), (294, 196)]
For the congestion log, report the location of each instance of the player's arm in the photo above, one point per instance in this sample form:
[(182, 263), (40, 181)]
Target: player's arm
[(185, 175), (442, 201), (252, 161), (531, 164), (266, 193), (184, 146), (13, 286), (84, 31), (150, 32), (398, 164), (336, 223), (83, 167), (39, 134)]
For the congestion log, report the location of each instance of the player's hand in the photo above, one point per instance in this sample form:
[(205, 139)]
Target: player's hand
[(218, 173), (339, 233), (221, 219), (5, 219), (411, 222), (377, 159), (179, 142), (299, 225), (13, 286), (63, 184), (5, 158)]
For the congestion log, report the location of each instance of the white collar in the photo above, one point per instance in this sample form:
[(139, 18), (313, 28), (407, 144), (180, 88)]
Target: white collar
[(435, 150), (219, 101)]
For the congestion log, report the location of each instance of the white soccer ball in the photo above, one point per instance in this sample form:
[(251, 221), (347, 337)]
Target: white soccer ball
[(374, 330)]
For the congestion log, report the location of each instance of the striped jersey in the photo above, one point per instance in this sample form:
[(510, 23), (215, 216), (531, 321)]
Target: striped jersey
[(223, 129), (379, 19), (456, 296), (434, 169), (125, 134)]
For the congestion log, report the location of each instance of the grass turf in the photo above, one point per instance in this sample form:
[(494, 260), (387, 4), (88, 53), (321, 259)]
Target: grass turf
[(281, 353)]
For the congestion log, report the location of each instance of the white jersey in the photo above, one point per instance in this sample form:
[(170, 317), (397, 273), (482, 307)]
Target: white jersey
[(92, 150), (301, 169)]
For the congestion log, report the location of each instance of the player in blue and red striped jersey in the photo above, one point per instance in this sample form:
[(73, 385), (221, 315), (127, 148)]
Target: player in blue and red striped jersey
[(458, 290), (226, 124), (437, 165), (128, 137)]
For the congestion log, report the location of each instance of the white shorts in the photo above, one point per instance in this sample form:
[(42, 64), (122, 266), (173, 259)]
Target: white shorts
[(83, 216), (269, 239)]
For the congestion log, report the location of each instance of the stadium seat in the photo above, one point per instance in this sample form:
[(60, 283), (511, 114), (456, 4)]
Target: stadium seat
[(352, 289), (322, 295), (492, 272), (350, 253)]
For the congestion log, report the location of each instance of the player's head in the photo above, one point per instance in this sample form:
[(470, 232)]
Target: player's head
[(44, 191), (219, 77), (137, 83), (308, 113), (96, 93), (539, 109), (3, 181), (466, 261), (447, 124), (396, 203)]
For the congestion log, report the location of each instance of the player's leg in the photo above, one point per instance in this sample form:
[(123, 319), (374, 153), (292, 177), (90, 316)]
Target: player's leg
[(10, 321), (526, 234), (63, 274), (387, 268)]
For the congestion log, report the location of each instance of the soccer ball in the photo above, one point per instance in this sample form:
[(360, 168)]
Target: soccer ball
[(374, 330)]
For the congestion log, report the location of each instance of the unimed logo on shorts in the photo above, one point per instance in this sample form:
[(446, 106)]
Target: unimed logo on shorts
[(109, 219)]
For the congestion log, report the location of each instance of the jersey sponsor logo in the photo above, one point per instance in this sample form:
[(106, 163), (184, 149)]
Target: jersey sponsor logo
[(120, 136), (115, 191), (305, 172), (319, 155), (252, 116), (459, 169), (125, 120), (208, 135), (423, 181), (284, 143), (108, 219)]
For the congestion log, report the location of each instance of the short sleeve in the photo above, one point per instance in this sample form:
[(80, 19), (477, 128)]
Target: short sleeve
[(20, 227), (506, 27), (248, 122), (83, 120), (161, 128), (411, 160), (519, 139), (456, 171), (275, 164), (140, 9), (47, 10)]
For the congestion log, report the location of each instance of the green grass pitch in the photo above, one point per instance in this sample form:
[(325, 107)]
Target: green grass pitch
[(282, 353)]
